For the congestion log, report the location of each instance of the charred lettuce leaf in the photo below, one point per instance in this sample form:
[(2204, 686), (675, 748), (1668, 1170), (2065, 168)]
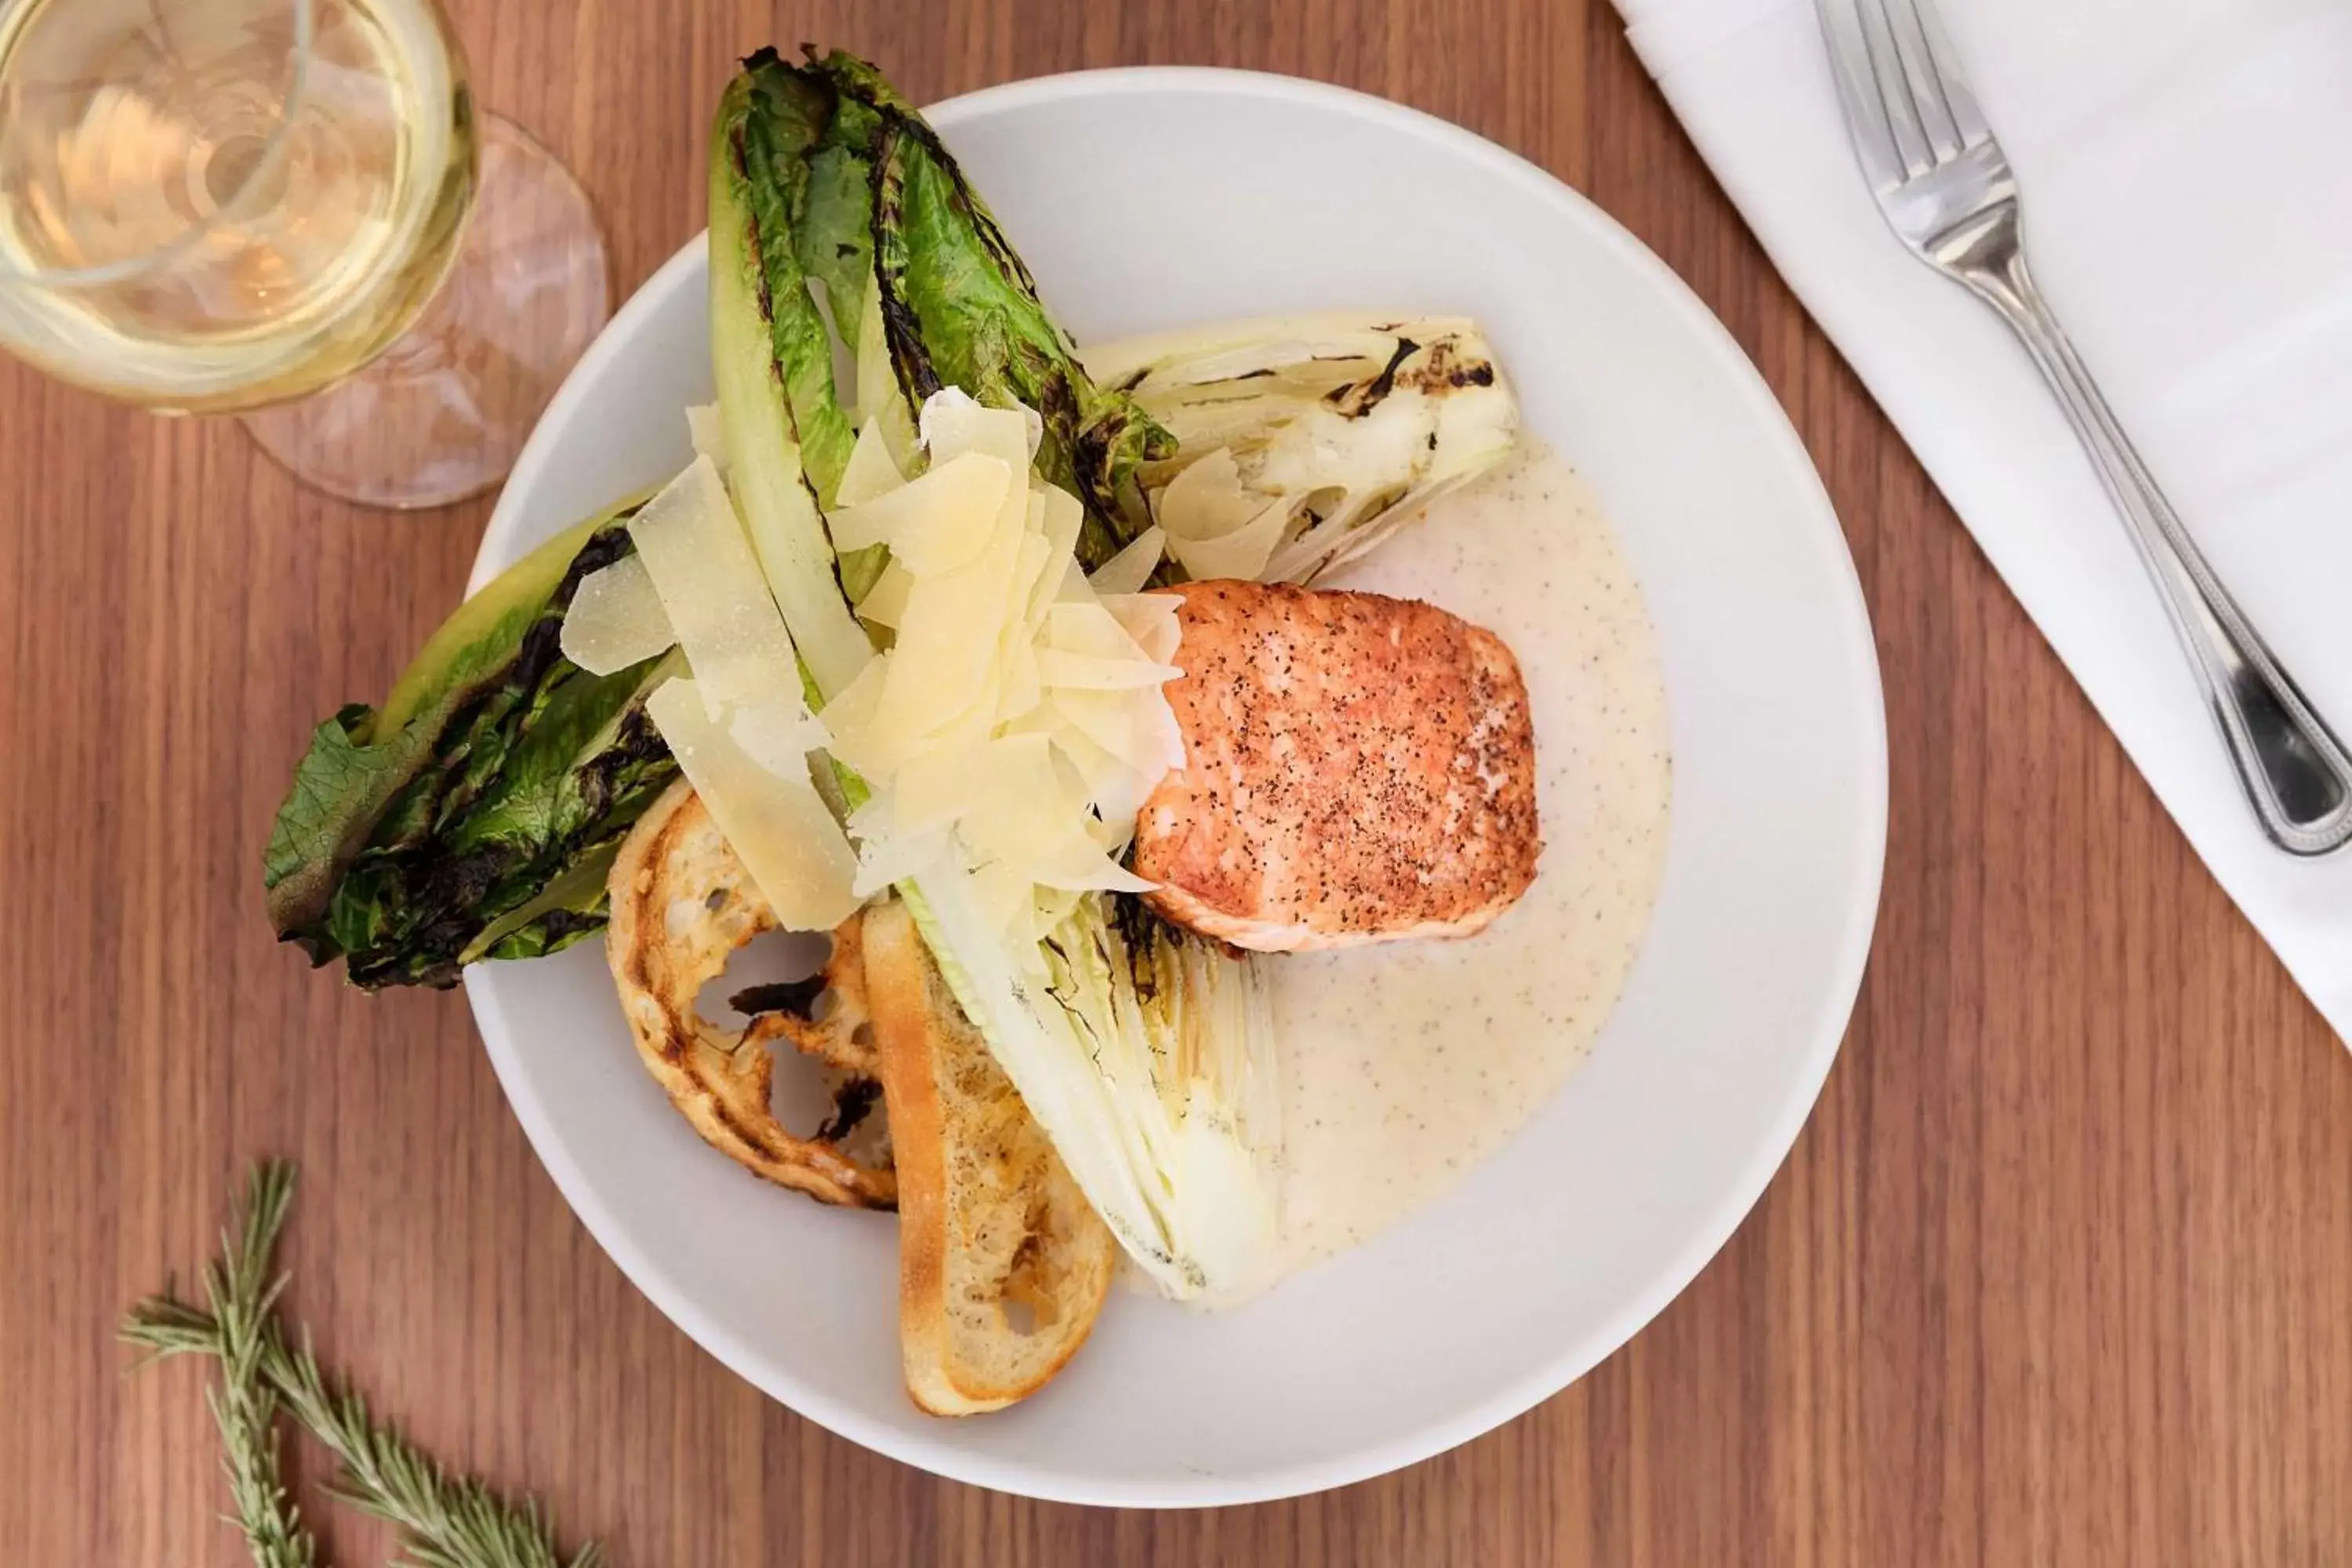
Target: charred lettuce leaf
[(771, 358), (360, 758), (772, 118), (465, 820), (852, 189), (833, 230)]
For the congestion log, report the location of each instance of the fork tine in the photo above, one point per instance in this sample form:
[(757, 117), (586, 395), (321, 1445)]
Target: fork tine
[(1944, 64), (1918, 153), (1866, 113), (1937, 119)]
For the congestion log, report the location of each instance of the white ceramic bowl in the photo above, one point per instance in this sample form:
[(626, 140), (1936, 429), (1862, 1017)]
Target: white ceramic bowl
[(1147, 198)]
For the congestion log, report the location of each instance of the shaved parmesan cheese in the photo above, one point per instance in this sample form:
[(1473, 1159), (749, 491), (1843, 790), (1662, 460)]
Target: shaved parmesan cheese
[(616, 619), (777, 734), (885, 604), (935, 789), (1053, 852), (1089, 627), (1142, 734), (970, 731), (1216, 528), (947, 640), (1063, 518), (1076, 589), (975, 723), (1241, 553), (1022, 685), (776, 823), (1090, 672), (1117, 788), (1033, 504), (849, 719), (1075, 863), (934, 523), (710, 584), (1025, 607), (1206, 499), (1150, 620), (1120, 796), (1132, 568), (884, 863), (1030, 814), (871, 471), (703, 428), (954, 422), (875, 817), (954, 425)]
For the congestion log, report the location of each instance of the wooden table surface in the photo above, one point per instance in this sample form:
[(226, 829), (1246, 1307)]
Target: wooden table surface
[(2058, 1272)]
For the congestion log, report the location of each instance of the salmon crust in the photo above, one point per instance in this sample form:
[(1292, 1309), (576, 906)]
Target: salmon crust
[(1356, 769)]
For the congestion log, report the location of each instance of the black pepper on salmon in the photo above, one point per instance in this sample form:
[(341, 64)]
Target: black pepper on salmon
[(1358, 769)]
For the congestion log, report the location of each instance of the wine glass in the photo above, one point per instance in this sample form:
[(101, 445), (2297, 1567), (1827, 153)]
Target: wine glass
[(292, 210)]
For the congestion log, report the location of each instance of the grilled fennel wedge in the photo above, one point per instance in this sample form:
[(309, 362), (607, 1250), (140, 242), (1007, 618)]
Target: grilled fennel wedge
[(1303, 441)]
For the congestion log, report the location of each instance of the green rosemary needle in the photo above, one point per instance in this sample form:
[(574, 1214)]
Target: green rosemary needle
[(444, 1523)]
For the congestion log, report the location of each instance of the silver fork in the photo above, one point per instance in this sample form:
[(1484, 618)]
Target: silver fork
[(1945, 189)]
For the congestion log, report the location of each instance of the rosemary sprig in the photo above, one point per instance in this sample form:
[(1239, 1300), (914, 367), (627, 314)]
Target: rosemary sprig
[(444, 1523), (244, 1405)]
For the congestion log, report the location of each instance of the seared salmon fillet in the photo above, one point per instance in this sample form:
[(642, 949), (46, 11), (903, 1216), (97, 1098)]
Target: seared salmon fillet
[(1356, 769)]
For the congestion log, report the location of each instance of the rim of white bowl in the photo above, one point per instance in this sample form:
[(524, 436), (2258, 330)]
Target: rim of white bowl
[(941, 1456)]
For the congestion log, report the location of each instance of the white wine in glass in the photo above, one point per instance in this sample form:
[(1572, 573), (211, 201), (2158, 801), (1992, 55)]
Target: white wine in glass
[(289, 206)]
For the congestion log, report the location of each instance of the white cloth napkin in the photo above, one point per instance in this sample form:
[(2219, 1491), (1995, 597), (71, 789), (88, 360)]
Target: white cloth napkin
[(2187, 174)]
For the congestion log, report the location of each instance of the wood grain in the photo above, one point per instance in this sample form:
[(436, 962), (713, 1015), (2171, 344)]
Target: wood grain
[(2057, 1274)]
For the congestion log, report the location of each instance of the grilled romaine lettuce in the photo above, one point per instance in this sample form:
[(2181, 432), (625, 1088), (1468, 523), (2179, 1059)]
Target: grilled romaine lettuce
[(453, 823), (879, 214), (473, 814), (773, 365)]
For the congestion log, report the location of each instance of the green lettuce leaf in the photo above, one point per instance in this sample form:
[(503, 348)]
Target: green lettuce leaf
[(781, 116), (960, 306), (360, 759), (437, 829)]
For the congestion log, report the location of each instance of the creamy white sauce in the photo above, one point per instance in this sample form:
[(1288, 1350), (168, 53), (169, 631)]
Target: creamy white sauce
[(1403, 1065)]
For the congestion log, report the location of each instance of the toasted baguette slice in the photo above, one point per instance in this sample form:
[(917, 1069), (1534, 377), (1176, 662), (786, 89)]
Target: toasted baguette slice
[(682, 904), (1002, 1263)]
